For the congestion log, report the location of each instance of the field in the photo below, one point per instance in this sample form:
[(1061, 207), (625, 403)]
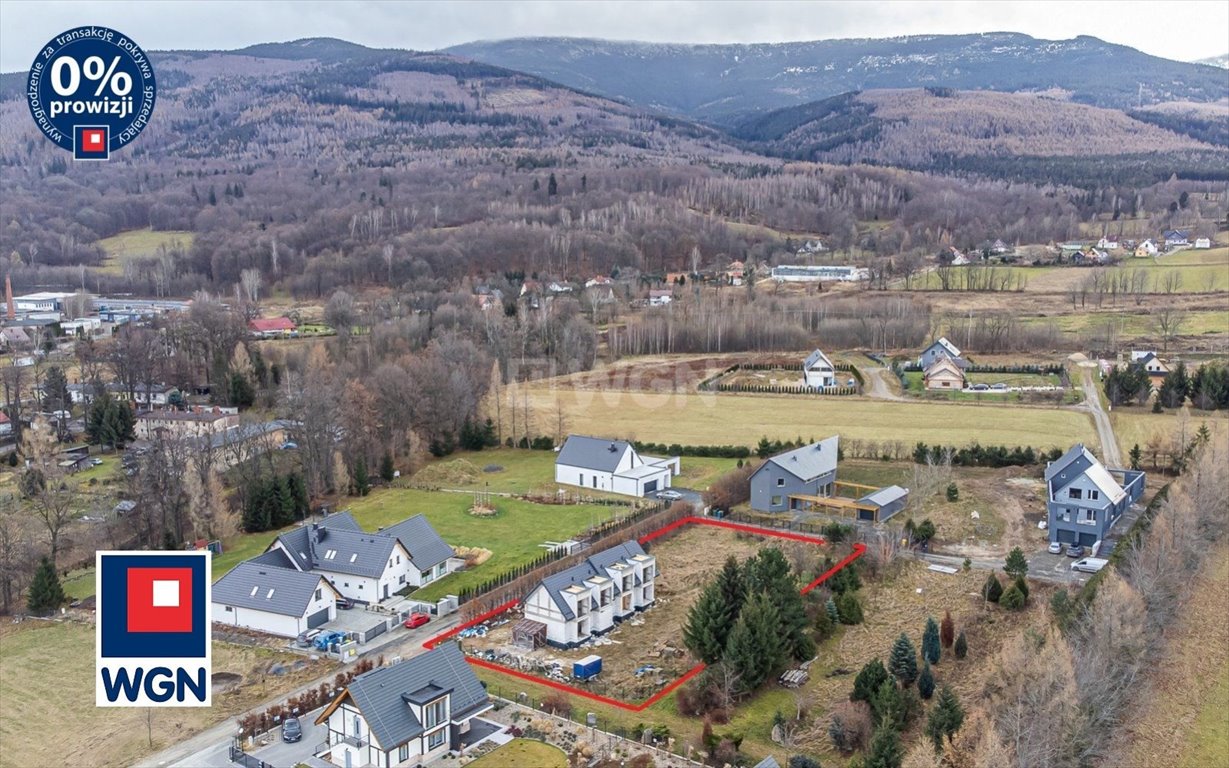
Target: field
[(1138, 425), (1181, 717), (140, 244), (45, 697), (523, 753), (647, 638), (712, 419)]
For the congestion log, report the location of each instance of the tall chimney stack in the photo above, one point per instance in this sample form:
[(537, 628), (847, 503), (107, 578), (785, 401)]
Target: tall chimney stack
[(10, 307)]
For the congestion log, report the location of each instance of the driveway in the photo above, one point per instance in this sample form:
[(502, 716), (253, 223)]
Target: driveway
[(1105, 430), (282, 755), (880, 388), (696, 498)]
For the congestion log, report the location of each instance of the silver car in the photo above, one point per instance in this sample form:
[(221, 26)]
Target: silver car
[(669, 495)]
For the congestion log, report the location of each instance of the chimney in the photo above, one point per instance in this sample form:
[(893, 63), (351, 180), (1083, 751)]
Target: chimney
[(10, 306)]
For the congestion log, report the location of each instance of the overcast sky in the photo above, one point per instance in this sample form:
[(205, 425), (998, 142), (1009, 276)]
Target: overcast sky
[(1185, 30)]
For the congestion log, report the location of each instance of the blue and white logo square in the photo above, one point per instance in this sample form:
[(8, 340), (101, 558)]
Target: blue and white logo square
[(153, 634)]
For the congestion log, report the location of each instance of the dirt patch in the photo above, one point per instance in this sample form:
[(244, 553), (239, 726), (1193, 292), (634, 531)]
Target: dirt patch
[(448, 474), (645, 652), (472, 555)]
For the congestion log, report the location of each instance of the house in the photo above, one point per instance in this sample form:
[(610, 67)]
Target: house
[(1090, 256), (1146, 249), (14, 336), (939, 348), (598, 281), (557, 287), (944, 373), (149, 395), (185, 424), (6, 425), (268, 595), (806, 471), (998, 248), (735, 272), (1109, 243), (84, 392), (1203, 242), (586, 600), (808, 273), (1156, 368), (660, 297), (1175, 238), (1084, 499), (368, 567), (810, 247), (271, 327), (613, 466), (81, 326), (818, 371), (486, 301), (409, 713), (952, 256)]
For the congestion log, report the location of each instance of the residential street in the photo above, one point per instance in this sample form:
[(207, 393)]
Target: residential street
[(1110, 454)]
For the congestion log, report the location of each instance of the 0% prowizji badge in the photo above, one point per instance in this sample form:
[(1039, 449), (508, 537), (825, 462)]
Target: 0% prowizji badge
[(91, 90)]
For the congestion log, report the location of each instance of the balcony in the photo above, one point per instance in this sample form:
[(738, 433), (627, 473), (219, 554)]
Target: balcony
[(358, 742)]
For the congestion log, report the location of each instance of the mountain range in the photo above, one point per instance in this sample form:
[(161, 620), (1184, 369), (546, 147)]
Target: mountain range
[(725, 84)]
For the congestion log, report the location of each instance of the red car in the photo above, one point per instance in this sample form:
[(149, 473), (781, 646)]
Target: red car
[(416, 620)]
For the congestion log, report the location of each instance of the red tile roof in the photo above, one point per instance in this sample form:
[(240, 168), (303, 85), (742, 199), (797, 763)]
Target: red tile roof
[(270, 324)]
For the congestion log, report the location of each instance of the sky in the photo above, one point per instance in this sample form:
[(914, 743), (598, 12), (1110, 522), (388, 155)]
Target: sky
[(1185, 30)]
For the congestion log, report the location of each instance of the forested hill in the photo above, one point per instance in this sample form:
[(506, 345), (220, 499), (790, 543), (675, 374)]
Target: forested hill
[(725, 83)]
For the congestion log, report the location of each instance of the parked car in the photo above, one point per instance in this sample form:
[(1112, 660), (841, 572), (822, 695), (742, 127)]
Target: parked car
[(669, 495), (1089, 564), (1056, 547), (999, 386), (292, 729), (980, 387), (416, 620), (345, 603), (95, 462), (326, 640), (307, 639), (1075, 550), (289, 445)]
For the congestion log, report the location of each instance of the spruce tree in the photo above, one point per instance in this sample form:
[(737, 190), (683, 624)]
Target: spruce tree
[(756, 648), (930, 642), (284, 509), (947, 630), (830, 609), (361, 481), (769, 574), (706, 629), (298, 491), (1012, 599), (946, 717), (903, 661), (1016, 565), (888, 706), (732, 588), (885, 750), (992, 590), (46, 594), (870, 677), (386, 467), (926, 681), (850, 608), (1021, 584), (962, 646)]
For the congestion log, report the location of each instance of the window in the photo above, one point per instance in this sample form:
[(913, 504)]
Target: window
[(332, 553), (1094, 495), (436, 739), (403, 753), (1075, 493), (270, 595), (403, 578), (229, 609), (254, 591), (776, 501), (780, 482), (353, 557), (595, 481), (434, 713), (318, 595), (582, 478)]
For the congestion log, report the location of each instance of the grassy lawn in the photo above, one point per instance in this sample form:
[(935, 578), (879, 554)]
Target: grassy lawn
[(523, 753), (513, 535), (1210, 737), (709, 419), (140, 243), (1137, 424), (47, 676)]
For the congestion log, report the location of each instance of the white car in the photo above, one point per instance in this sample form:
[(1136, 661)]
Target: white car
[(669, 495), (1056, 548), (1089, 564)]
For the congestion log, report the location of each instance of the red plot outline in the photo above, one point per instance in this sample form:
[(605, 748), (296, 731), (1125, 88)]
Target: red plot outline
[(858, 551)]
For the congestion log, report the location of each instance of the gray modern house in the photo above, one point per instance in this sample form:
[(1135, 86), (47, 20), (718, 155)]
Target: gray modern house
[(940, 348), (806, 471), (1084, 499)]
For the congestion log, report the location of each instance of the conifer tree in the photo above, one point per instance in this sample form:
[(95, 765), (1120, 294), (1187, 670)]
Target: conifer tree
[(850, 608), (946, 717), (732, 589), (926, 681), (769, 574), (930, 641), (962, 646), (993, 589), (885, 750), (1016, 565), (386, 467), (870, 677), (756, 648), (903, 661), (888, 706), (830, 609), (46, 594), (706, 629)]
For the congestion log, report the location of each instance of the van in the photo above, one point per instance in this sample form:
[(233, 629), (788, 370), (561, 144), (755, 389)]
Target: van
[(1089, 564)]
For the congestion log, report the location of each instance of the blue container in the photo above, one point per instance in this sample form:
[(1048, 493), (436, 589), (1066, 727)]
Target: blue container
[(587, 668)]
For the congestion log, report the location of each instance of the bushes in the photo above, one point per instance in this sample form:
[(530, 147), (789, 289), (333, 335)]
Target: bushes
[(872, 675), (992, 590), (700, 451), (953, 493), (1012, 599), (732, 488), (850, 725), (849, 608), (977, 455)]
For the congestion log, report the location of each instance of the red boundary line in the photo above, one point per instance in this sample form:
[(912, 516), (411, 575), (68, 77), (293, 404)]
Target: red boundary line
[(858, 551)]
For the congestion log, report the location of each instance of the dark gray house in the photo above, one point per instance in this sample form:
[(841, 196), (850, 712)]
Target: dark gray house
[(1084, 499), (806, 471), (409, 713), (882, 504), (940, 348)]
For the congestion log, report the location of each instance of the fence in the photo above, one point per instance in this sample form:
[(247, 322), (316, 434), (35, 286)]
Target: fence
[(713, 383), (237, 755)]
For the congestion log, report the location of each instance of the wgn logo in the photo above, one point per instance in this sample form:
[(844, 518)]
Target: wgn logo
[(153, 633)]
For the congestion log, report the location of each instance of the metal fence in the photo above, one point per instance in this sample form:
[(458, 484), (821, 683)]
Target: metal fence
[(247, 761)]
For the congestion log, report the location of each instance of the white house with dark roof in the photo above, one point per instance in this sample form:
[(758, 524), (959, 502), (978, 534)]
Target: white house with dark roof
[(367, 567), (612, 465), (941, 347), (587, 599), (263, 595), (806, 471), (818, 371), (410, 713)]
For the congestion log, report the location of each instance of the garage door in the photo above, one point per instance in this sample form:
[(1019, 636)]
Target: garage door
[(317, 618), (1066, 537), (650, 486), (1088, 539)]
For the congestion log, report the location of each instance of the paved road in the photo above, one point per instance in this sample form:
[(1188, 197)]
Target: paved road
[(880, 387), (1105, 430), (198, 751), (1041, 566)]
